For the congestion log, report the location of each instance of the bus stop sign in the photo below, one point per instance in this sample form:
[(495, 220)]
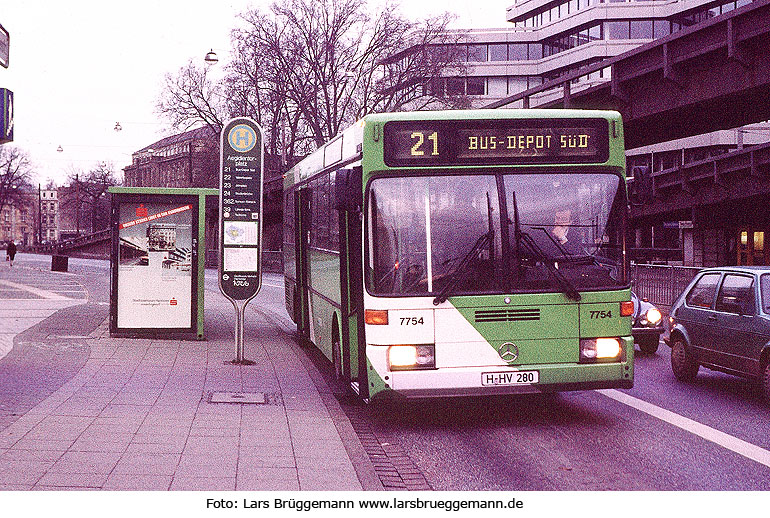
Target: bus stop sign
[(240, 209)]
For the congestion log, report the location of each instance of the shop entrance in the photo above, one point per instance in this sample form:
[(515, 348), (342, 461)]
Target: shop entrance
[(751, 247)]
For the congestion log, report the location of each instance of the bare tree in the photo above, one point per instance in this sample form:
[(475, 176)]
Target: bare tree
[(307, 68), (190, 98), (332, 62), (15, 176), (84, 200)]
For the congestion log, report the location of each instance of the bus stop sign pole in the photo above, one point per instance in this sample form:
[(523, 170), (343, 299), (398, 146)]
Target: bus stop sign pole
[(241, 180)]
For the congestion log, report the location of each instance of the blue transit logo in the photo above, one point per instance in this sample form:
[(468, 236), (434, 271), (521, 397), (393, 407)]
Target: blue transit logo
[(242, 138)]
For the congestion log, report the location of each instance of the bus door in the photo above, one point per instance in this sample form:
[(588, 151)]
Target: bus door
[(348, 202), (302, 202)]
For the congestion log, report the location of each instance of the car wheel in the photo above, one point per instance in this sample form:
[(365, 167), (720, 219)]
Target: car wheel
[(682, 362), (766, 383), (649, 344)]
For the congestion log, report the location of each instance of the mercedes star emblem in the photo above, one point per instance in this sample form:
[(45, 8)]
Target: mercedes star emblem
[(508, 351)]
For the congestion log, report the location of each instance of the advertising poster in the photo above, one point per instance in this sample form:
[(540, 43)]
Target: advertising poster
[(155, 265)]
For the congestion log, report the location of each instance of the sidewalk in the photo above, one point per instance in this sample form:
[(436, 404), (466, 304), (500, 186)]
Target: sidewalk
[(142, 415)]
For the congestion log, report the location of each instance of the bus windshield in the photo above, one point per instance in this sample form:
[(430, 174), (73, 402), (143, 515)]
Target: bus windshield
[(476, 234)]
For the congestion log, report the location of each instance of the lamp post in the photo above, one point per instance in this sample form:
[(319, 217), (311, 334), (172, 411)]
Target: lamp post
[(39, 217)]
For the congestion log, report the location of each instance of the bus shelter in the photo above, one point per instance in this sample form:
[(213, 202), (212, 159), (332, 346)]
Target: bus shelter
[(157, 262)]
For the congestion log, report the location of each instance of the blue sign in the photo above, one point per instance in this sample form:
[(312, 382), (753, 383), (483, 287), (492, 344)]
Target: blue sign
[(240, 209), (6, 115), (5, 44)]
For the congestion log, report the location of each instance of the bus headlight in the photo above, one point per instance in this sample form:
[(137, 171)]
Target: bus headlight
[(411, 357), (592, 349)]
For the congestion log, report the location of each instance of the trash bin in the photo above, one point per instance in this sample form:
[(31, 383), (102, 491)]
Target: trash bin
[(59, 263)]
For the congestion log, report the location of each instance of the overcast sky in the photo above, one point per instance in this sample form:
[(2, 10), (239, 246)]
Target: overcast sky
[(79, 66)]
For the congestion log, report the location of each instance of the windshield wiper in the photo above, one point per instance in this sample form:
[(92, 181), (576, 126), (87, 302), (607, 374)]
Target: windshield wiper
[(564, 251), (454, 277), (567, 286), (526, 240)]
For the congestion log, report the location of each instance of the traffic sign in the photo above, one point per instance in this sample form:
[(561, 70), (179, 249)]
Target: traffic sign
[(5, 45), (6, 115), (241, 180)]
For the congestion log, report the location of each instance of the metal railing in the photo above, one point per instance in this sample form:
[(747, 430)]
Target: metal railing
[(68, 245), (661, 284)]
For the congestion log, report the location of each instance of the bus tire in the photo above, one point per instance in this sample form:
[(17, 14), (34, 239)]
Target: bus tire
[(683, 364), (337, 352), (295, 308)]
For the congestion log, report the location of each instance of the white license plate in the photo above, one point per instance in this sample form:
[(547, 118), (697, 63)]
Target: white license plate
[(497, 379)]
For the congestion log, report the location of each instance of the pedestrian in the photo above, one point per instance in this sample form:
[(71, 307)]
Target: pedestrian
[(11, 252)]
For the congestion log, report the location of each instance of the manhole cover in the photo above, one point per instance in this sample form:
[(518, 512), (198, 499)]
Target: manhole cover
[(247, 398)]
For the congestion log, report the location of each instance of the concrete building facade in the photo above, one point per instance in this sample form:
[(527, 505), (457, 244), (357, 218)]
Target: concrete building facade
[(17, 222), (551, 38), (49, 216)]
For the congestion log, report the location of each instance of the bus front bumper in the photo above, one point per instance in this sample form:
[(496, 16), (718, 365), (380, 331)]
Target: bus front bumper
[(497, 380)]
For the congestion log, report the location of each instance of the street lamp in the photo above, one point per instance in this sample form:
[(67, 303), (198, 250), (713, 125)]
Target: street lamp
[(117, 127), (60, 149), (211, 57)]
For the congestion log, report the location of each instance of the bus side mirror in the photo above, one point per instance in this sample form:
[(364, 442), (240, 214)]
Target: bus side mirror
[(347, 190)]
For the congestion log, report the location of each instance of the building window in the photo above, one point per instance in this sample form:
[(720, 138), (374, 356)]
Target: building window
[(641, 30), (517, 51), (497, 86), (535, 51), (661, 28), (455, 86), (477, 52), (498, 52), (617, 30), (476, 86), (516, 84)]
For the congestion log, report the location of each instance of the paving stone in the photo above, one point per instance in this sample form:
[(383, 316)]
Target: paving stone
[(125, 482), (121, 414)]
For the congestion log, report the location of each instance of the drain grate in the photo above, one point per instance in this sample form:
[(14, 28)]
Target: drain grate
[(244, 398)]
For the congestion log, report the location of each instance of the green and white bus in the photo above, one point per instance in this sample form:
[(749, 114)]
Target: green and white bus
[(464, 253)]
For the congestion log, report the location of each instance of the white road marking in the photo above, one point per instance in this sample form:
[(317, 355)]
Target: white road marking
[(748, 450), (35, 291)]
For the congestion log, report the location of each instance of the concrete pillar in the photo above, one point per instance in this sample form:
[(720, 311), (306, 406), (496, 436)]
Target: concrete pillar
[(688, 247)]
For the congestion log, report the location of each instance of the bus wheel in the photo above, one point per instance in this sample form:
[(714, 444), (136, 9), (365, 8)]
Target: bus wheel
[(682, 362), (337, 357)]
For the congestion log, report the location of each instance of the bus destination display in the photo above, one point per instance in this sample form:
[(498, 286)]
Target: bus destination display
[(409, 143)]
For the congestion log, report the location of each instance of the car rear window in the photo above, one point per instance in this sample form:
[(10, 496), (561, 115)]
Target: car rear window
[(736, 295), (702, 294)]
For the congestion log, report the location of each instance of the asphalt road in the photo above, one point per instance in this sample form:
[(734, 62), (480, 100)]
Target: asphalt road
[(711, 434), (660, 435)]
